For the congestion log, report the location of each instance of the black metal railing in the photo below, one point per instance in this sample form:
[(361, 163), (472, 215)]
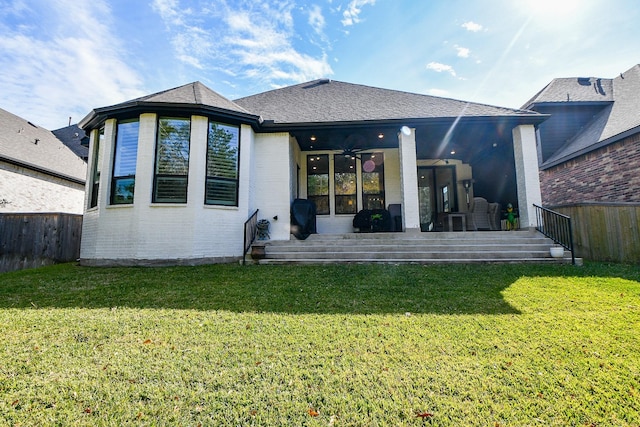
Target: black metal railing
[(557, 227), (250, 227)]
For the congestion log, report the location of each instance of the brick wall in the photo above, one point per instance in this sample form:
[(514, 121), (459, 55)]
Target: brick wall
[(147, 233), (609, 174), (30, 191)]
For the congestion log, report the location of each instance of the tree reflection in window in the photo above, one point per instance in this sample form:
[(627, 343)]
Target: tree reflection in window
[(222, 164), (345, 187), (172, 160), (373, 181), (318, 182)]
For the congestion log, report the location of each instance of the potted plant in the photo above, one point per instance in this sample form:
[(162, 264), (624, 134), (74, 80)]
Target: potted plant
[(376, 222), (556, 251)]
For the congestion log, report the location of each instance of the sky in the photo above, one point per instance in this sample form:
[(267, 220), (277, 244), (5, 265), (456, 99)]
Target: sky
[(59, 59)]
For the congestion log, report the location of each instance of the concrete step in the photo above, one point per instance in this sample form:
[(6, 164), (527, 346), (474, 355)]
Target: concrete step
[(311, 261), (418, 248)]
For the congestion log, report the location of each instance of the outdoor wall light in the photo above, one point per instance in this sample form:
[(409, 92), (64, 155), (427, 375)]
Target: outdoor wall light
[(380, 135), (405, 130), (467, 184), (313, 137)]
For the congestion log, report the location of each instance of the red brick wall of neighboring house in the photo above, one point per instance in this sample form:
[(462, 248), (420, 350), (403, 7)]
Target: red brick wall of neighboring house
[(609, 174)]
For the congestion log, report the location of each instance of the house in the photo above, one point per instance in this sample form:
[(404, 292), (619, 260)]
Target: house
[(38, 173), (74, 137), (174, 176), (589, 149)]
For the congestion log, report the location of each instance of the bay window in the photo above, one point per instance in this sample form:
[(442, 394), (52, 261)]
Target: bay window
[(124, 163), (222, 165), (172, 160), (98, 143)]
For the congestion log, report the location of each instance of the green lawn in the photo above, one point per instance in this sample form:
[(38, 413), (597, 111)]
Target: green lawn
[(362, 345)]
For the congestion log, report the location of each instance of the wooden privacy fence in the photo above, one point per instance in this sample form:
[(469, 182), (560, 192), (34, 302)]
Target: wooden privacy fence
[(30, 240), (605, 231)]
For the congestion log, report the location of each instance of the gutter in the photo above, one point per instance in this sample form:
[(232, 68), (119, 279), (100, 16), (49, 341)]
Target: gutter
[(533, 119), (98, 115), (43, 170)]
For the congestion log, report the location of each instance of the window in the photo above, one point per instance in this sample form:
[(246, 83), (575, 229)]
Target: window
[(222, 165), (124, 162), (373, 181), (344, 181), (97, 164), (318, 182), (172, 160)]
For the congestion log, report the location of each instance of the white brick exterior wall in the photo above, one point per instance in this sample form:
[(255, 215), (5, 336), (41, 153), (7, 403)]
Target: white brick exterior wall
[(144, 232), (527, 173), (409, 181), (273, 163), (31, 191)]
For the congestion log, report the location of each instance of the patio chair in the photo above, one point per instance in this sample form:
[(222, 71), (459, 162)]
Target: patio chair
[(480, 214)]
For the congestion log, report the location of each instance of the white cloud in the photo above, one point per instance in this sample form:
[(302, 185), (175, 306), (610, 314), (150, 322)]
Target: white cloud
[(69, 70), (351, 15), (438, 67), (245, 39), (463, 52), (316, 19), (472, 26)]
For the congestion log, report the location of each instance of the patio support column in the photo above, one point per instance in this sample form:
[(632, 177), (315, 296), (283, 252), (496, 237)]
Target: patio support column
[(409, 180), (527, 174)]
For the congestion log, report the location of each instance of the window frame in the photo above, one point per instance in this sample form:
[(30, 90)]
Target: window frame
[(117, 179), (236, 180), (96, 167), (326, 196), (379, 169), (156, 175), (337, 158)]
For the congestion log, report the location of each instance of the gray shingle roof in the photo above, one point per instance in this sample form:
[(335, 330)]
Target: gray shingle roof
[(330, 101), (74, 138), (574, 89), (192, 95), (614, 122), (24, 143)]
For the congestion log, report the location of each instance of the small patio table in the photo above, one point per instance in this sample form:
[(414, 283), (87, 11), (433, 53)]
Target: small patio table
[(461, 215)]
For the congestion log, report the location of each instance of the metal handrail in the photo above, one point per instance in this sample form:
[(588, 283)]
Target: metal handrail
[(557, 227), (250, 227)]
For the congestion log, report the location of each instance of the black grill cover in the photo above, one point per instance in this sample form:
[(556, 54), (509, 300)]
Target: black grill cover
[(303, 218)]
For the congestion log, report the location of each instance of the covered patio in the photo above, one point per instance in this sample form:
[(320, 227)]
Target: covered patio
[(354, 147), (433, 169)]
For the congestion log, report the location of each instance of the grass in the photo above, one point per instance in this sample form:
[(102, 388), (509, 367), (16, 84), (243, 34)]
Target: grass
[(364, 345)]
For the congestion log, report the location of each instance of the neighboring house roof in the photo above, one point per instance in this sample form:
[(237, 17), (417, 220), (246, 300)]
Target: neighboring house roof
[(190, 97), (330, 101), (74, 138), (25, 144), (619, 117), (580, 89)]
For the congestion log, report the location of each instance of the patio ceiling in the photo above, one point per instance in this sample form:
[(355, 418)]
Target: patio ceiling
[(468, 141)]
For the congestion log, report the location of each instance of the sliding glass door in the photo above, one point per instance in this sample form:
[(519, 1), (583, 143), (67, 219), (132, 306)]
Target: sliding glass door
[(436, 195)]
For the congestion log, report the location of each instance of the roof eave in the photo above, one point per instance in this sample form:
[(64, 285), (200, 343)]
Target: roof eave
[(593, 147), (45, 171), (533, 119), (568, 104), (99, 115)]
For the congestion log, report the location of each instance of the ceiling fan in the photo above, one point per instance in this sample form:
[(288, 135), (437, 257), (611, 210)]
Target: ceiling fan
[(350, 145)]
